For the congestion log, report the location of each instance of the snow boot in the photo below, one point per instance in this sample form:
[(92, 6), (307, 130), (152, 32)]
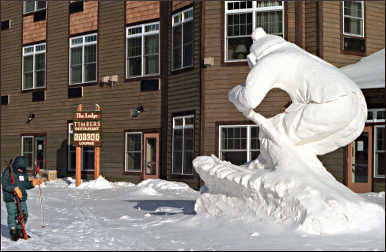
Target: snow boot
[(21, 235), (14, 234)]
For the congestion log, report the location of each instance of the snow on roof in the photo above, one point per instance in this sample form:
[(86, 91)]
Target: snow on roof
[(369, 72)]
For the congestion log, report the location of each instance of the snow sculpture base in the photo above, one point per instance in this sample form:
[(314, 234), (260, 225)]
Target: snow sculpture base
[(287, 185)]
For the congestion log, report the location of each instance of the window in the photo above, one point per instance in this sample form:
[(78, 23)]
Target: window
[(34, 66), (142, 50), (182, 23), (183, 145), (353, 21), (376, 115), (88, 155), (241, 19), (83, 59), (379, 151), (33, 6), (33, 147), (239, 144), (133, 151)]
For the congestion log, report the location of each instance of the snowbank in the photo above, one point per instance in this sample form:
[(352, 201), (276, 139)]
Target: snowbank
[(160, 185), (315, 204), (99, 183), (369, 72)]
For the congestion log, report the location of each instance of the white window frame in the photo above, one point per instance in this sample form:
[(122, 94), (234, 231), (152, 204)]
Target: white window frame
[(252, 10), (183, 127), (248, 150), (34, 52), (375, 151), (83, 44), (351, 17), (71, 131), (374, 115), (181, 22), (143, 34), (35, 8), (133, 133), (22, 148)]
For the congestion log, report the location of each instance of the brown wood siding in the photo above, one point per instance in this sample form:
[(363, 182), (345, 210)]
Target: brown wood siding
[(180, 4), (138, 11), (53, 113), (220, 79), (332, 32), (10, 77), (184, 95), (86, 20), (33, 31), (291, 25), (375, 26), (311, 28), (123, 97), (334, 163)]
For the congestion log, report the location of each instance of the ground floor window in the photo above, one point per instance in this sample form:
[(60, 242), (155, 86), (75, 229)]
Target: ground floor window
[(183, 145), (133, 151), (238, 144), (33, 147), (379, 151), (87, 153)]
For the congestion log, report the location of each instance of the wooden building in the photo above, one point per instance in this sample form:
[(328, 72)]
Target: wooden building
[(161, 72)]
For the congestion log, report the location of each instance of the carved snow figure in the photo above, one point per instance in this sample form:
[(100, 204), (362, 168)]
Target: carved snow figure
[(287, 183)]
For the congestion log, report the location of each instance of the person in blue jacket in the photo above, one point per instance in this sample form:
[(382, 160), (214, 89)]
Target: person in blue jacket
[(10, 191)]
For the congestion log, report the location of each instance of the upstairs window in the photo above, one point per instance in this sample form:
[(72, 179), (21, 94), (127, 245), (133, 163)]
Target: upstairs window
[(182, 24), (353, 21), (242, 18), (353, 26), (34, 6), (379, 151), (83, 59), (142, 50), (34, 66)]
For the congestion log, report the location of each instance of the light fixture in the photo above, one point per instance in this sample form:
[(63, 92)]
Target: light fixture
[(135, 112), (30, 117)]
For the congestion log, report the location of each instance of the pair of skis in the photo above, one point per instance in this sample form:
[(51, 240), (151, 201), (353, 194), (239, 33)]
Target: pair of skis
[(21, 216)]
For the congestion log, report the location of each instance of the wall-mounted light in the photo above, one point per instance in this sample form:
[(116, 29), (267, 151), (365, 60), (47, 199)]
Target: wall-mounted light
[(135, 112), (30, 117)]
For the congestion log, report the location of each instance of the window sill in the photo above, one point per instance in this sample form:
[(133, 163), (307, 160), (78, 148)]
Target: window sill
[(32, 12), (235, 63), (132, 173), (182, 176), (138, 78), (182, 70), (33, 90), (83, 84), (379, 180)]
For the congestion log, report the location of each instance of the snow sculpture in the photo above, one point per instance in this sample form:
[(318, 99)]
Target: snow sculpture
[(287, 183)]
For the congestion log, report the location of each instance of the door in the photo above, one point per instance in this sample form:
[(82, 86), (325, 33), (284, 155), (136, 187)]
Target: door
[(359, 162), (151, 156), (39, 147)]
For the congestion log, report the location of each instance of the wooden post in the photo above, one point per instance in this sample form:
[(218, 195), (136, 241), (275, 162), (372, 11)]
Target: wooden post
[(78, 156), (97, 155)]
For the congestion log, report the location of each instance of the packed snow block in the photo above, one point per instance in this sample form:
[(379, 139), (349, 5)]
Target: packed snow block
[(287, 184), (50, 175)]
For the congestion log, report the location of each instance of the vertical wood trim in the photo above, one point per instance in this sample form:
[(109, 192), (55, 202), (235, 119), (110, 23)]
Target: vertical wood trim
[(165, 7), (299, 24), (202, 81), (286, 20), (319, 21), (78, 157)]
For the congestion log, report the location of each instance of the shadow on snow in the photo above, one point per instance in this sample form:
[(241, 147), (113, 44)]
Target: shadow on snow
[(166, 207)]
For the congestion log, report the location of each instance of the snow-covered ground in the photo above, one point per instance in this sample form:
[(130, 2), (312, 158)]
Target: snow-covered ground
[(159, 215)]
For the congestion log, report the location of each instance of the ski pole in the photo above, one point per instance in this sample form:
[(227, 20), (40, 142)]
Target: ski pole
[(40, 195)]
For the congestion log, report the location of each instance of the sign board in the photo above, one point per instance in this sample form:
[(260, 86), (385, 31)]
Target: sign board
[(87, 128)]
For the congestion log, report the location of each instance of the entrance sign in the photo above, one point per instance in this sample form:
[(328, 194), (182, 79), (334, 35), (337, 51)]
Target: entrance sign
[(87, 128), (87, 132)]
